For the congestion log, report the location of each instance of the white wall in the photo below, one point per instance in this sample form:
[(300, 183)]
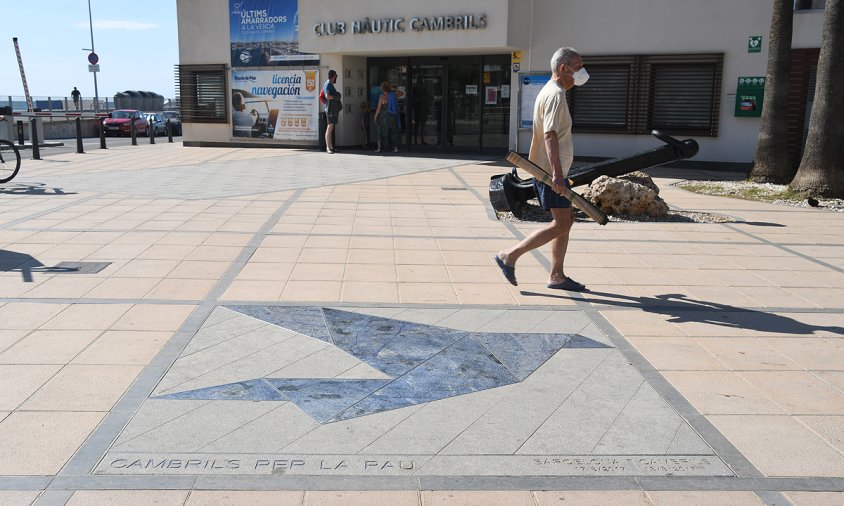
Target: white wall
[(808, 29), (204, 39)]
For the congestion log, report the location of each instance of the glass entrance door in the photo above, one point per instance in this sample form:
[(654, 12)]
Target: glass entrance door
[(463, 118), (426, 99), (453, 103), (496, 109)]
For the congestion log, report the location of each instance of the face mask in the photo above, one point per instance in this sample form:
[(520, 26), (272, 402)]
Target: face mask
[(580, 77)]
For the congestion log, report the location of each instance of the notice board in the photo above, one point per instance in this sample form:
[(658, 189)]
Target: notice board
[(529, 86)]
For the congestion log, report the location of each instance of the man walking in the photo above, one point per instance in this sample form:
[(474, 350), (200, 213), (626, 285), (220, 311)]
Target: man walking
[(75, 96), (552, 149), (333, 106)]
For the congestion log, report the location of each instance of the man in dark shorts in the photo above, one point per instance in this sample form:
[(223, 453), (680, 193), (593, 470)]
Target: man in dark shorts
[(332, 108), (74, 95), (552, 149)]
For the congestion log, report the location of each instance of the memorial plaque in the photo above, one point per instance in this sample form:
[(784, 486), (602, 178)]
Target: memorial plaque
[(387, 392)]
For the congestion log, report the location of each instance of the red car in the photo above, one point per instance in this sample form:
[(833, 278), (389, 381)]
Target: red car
[(119, 122)]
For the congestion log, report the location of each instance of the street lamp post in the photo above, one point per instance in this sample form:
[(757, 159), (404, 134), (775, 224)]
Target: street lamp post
[(96, 93)]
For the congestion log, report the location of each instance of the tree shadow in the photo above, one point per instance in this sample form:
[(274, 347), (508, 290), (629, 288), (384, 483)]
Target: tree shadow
[(32, 189), (683, 309), (12, 261)]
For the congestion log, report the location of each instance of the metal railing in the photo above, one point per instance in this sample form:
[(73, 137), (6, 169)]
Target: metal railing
[(66, 104)]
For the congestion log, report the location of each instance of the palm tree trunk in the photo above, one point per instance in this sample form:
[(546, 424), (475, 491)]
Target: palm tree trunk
[(821, 171), (771, 162)]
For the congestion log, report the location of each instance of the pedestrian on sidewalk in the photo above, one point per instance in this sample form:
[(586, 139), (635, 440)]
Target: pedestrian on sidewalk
[(552, 149), (333, 106), (387, 119), (75, 96)]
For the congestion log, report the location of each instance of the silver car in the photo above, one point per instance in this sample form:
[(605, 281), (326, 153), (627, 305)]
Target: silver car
[(156, 123), (175, 121)]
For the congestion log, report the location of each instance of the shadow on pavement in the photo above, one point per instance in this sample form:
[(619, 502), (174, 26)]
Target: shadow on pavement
[(682, 309), (12, 261), (32, 189), (759, 223)]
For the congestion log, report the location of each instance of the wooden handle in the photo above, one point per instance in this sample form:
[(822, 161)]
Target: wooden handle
[(537, 172)]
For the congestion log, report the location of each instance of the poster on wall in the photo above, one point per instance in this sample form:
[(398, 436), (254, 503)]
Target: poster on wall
[(531, 85), (276, 104), (266, 33)]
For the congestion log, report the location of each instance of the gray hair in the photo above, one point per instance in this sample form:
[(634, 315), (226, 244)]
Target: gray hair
[(561, 56)]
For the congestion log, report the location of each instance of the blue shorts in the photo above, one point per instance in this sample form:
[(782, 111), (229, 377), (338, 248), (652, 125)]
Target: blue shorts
[(548, 198)]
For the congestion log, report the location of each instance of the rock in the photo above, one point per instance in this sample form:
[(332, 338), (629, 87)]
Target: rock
[(616, 196), (642, 179), (812, 202)]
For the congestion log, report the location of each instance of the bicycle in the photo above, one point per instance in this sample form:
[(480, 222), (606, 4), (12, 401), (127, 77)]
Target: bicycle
[(10, 161)]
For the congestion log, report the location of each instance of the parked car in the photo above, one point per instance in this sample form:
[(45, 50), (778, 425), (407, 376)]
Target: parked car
[(156, 122), (175, 121), (119, 122)]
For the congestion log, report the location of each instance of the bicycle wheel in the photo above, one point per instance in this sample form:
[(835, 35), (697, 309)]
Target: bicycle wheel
[(10, 161)]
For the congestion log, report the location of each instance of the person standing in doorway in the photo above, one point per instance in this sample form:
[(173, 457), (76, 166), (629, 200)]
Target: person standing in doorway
[(75, 96), (552, 149), (387, 118), (333, 106)]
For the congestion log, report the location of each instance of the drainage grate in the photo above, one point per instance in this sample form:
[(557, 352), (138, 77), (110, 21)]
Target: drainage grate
[(79, 267)]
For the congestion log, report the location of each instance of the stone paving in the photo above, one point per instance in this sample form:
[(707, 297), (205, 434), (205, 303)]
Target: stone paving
[(221, 326)]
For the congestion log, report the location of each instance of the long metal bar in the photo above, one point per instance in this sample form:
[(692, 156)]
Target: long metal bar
[(23, 75)]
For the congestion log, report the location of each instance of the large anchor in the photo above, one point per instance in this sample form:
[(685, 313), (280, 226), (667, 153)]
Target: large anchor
[(508, 192)]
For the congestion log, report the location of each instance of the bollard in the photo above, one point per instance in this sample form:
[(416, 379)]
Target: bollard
[(79, 148), (133, 132), (102, 136), (151, 132), (169, 131), (36, 153), (20, 133)]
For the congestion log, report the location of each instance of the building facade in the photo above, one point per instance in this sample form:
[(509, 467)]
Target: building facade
[(466, 71)]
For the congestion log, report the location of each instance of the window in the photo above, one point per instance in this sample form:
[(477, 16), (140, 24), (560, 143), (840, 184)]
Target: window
[(202, 93), (806, 5), (636, 94)]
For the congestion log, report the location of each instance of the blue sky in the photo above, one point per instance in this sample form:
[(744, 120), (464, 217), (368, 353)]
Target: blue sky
[(137, 42)]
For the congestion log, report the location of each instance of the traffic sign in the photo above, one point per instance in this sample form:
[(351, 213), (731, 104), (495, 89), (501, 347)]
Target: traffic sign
[(93, 68), (93, 59)]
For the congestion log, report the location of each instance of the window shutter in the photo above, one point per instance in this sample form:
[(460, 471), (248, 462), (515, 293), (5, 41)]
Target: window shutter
[(601, 105), (202, 92), (681, 98), (635, 94)]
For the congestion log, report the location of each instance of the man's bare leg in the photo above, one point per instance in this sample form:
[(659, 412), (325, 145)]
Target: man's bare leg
[(560, 244), (557, 231), (329, 134)]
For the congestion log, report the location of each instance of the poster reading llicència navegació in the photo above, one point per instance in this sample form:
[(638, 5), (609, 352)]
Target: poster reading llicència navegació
[(276, 104)]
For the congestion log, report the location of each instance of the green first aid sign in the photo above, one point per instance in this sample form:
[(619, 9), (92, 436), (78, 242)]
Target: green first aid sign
[(750, 93), (754, 44)]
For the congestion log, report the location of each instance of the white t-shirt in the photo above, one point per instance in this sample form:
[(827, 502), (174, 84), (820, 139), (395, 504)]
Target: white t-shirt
[(551, 114)]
